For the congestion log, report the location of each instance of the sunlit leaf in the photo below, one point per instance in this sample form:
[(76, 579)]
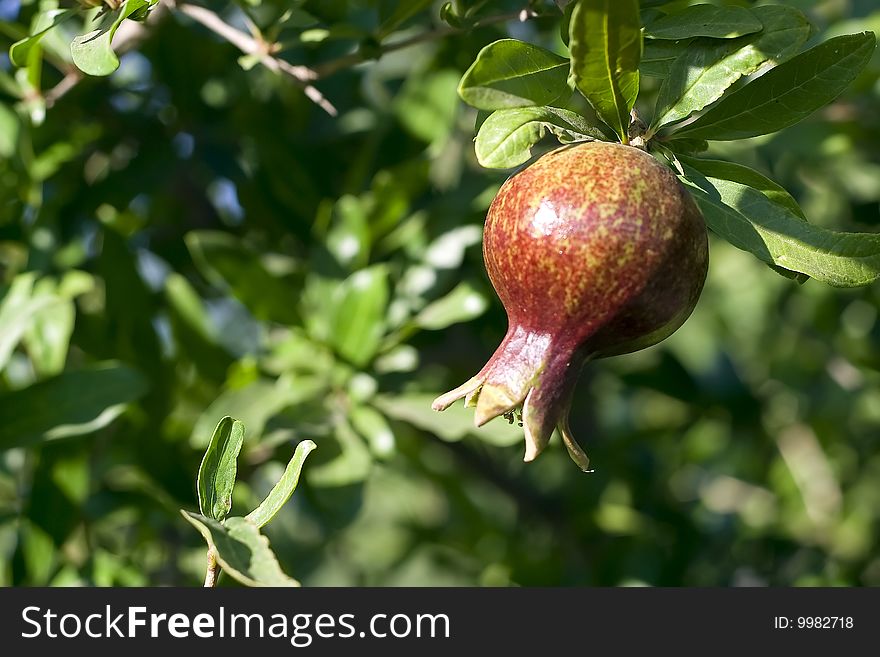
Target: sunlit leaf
[(219, 467), (606, 45), (788, 93), (93, 52), (751, 221), (706, 21), (708, 67), (510, 73), (282, 490), (454, 424), (460, 305), (358, 323), (19, 51), (506, 138)]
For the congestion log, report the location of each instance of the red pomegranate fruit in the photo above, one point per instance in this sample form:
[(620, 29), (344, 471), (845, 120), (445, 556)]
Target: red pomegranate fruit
[(595, 250)]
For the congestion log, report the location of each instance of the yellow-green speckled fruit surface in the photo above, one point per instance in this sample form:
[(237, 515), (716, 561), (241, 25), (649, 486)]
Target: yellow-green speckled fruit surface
[(594, 249)]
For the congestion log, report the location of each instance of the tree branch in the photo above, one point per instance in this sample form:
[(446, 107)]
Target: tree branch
[(131, 33), (211, 569), (251, 46), (335, 65)]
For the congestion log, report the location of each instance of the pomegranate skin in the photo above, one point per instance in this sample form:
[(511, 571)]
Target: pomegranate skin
[(594, 250)]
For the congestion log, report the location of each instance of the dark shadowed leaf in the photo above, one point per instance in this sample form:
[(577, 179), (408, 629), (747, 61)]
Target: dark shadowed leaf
[(70, 404), (706, 21), (229, 263), (242, 552)]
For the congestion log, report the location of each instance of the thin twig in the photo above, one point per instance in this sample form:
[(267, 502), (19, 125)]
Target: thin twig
[(346, 61), (68, 82), (212, 570), (251, 46), (128, 36)]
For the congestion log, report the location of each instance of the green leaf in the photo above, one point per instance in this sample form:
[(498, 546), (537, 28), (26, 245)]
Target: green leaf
[(506, 138), (18, 308), (242, 551), (705, 21), (229, 263), (282, 490), (402, 13), (19, 51), (788, 93), (606, 45), (453, 425), (687, 146), (357, 323), (373, 426), (510, 73), (745, 176), (10, 129), (348, 239), (350, 466), (71, 404), (193, 329), (426, 105), (708, 67), (462, 304), (253, 404), (47, 338), (751, 221), (658, 56), (219, 468), (93, 52)]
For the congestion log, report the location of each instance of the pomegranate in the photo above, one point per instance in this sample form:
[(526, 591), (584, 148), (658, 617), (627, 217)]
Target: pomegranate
[(595, 250)]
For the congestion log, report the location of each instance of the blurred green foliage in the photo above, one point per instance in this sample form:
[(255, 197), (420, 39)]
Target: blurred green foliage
[(193, 237)]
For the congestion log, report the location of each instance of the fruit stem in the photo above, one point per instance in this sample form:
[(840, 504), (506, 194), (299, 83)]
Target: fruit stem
[(637, 129)]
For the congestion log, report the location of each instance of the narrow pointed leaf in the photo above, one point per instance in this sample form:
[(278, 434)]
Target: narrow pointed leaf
[(510, 73), (605, 41), (506, 138), (750, 221), (242, 551), (73, 403), (219, 468), (282, 491), (659, 55), (18, 51), (746, 176), (709, 67), (788, 93), (706, 21)]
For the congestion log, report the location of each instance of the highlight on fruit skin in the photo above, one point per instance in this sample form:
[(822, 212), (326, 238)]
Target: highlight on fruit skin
[(594, 250)]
